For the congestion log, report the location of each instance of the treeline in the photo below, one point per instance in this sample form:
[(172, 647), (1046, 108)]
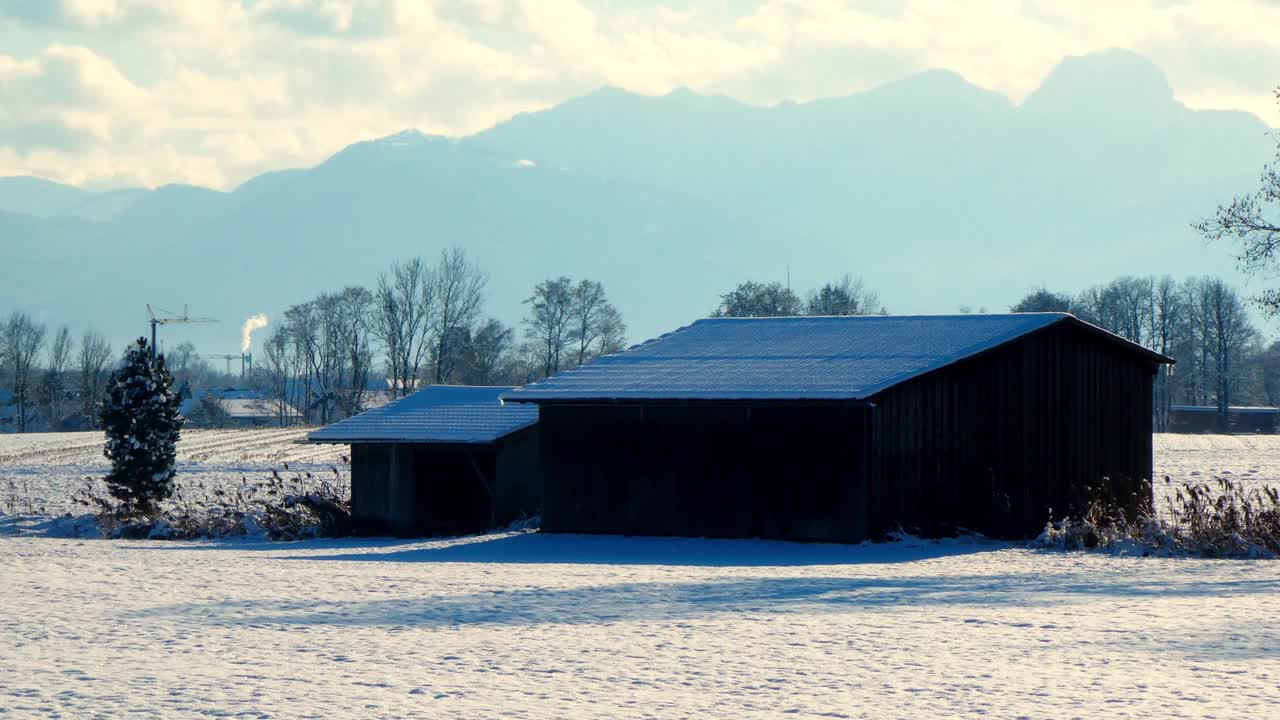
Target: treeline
[(1202, 322), (334, 355), (50, 382), (426, 323), (844, 296)]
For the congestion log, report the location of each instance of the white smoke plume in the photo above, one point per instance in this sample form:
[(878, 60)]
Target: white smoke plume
[(255, 322)]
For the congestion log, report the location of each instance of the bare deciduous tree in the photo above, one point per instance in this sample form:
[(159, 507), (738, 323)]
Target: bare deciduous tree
[(597, 328), (612, 332), (403, 302), (22, 339), (549, 321), (189, 370), (279, 371), (93, 361), (1122, 306), (458, 295), (353, 327), (1253, 222), (1229, 332), (53, 384), (1167, 317)]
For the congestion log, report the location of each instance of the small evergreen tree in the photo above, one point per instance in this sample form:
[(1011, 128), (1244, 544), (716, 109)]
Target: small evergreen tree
[(142, 422)]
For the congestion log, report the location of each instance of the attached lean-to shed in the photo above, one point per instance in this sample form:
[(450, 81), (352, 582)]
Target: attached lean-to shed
[(844, 428), (446, 460)]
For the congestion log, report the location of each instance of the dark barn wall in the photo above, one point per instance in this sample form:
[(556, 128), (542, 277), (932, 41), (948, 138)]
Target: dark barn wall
[(450, 484), (713, 470), (518, 487), (422, 490), (383, 491), (990, 444), (994, 442)]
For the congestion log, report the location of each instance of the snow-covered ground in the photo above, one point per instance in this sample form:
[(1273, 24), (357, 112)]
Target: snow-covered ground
[(41, 473), (543, 626), (539, 626), (1248, 459)]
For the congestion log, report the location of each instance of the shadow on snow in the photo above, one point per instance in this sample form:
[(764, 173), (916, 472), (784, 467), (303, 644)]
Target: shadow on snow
[(538, 548), (979, 597)]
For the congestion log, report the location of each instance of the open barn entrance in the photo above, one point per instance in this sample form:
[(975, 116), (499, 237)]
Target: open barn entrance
[(451, 491)]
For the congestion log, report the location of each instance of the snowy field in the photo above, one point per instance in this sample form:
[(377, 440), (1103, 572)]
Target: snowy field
[(40, 473), (1251, 460), (541, 626)]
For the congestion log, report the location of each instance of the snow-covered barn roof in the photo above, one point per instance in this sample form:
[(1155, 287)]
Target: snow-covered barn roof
[(446, 414), (793, 358)]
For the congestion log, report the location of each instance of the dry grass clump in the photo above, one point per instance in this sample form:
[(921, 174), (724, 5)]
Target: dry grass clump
[(1221, 519), (280, 507)]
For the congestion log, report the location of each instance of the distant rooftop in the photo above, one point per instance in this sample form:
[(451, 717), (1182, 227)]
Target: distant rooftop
[(1240, 409), (445, 414), (793, 358)]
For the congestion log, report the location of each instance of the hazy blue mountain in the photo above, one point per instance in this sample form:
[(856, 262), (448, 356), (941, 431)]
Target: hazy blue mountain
[(103, 206), (47, 199), (37, 197), (938, 192)]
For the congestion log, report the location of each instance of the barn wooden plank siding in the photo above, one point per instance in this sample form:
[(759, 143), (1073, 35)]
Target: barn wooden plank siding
[(442, 461), (990, 437), (998, 441)]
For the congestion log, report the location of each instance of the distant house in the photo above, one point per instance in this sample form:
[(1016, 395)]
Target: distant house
[(240, 408), (446, 460), (844, 428), (1207, 419)]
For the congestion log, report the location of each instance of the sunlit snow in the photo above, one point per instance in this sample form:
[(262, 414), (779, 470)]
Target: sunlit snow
[(541, 626)]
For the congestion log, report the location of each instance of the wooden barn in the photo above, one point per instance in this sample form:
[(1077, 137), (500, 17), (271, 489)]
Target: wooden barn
[(845, 428), (446, 460), (1208, 419)]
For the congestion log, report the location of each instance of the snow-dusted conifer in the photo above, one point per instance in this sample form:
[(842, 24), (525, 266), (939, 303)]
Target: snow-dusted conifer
[(142, 422)]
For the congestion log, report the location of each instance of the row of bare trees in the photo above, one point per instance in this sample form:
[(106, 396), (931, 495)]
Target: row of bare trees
[(332, 355), (424, 317), (53, 382), (425, 323)]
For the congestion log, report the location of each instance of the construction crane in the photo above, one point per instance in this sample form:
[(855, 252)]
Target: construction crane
[(165, 317)]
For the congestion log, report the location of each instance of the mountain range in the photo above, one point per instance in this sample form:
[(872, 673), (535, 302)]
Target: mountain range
[(937, 192)]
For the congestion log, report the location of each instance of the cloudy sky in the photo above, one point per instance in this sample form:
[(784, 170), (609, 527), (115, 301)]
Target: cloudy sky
[(106, 93)]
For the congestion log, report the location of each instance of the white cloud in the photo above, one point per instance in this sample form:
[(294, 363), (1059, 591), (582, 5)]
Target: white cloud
[(214, 91), (91, 12)]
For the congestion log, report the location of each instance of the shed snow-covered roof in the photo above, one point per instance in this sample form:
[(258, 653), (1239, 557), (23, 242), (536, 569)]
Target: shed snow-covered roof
[(793, 358), (445, 414)]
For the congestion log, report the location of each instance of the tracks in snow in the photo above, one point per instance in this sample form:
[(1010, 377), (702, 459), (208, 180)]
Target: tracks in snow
[(197, 446)]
